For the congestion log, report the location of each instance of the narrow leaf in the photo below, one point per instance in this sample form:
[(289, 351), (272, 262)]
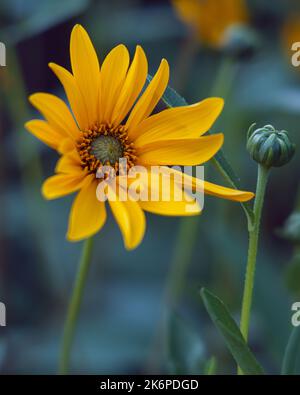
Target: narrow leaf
[(228, 328), (172, 99)]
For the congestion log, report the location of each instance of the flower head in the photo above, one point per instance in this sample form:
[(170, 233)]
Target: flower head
[(111, 119), (270, 147), (212, 19)]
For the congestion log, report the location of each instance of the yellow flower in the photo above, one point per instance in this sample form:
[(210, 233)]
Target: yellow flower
[(291, 34), (211, 19), (111, 118)]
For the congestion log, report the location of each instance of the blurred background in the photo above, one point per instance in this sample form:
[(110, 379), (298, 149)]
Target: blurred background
[(126, 325)]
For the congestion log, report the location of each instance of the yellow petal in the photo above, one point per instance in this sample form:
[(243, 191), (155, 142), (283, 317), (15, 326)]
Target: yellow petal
[(44, 132), (69, 163), (66, 146), (172, 209), (212, 189), (227, 193), (131, 220), (149, 99), (168, 200), (61, 185), (113, 73), (56, 113), (73, 94), (181, 152), (85, 67), (180, 123), (135, 80), (88, 214)]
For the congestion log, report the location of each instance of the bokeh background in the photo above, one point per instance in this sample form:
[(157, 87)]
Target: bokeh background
[(126, 325)]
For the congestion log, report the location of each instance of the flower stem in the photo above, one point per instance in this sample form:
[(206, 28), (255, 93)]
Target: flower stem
[(225, 77), (262, 180), (74, 306)]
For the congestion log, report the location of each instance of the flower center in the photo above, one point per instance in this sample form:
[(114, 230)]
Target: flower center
[(107, 149), (105, 145)]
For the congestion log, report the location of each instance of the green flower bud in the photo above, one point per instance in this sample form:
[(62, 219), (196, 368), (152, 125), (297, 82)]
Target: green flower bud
[(240, 41), (270, 147)]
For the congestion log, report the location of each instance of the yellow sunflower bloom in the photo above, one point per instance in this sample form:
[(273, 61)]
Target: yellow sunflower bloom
[(210, 19), (111, 117)]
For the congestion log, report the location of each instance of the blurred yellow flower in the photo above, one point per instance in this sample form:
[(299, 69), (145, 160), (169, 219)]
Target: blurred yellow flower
[(211, 19), (111, 118), (291, 35)]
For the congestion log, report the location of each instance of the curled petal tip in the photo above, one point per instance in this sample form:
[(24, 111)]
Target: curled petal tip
[(247, 196)]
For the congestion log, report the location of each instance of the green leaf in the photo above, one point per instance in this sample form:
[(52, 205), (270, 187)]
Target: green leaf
[(229, 173), (228, 328), (172, 99), (291, 353), (225, 169), (185, 349)]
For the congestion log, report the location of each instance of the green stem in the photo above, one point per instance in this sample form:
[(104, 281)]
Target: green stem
[(225, 77), (74, 306), (262, 180), (210, 367)]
